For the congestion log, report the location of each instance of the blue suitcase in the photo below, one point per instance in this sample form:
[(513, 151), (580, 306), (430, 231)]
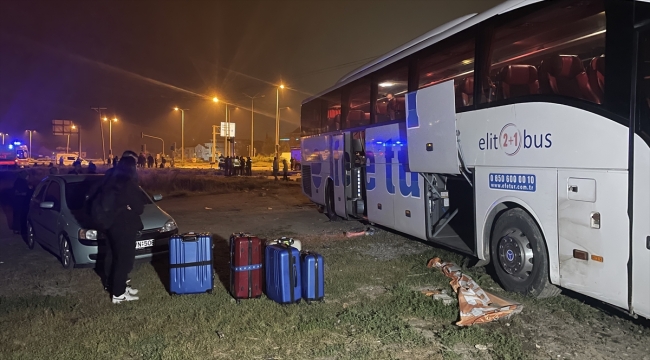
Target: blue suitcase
[(282, 264), (190, 264), (313, 277)]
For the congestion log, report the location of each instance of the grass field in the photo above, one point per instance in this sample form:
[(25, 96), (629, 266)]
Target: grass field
[(371, 311)]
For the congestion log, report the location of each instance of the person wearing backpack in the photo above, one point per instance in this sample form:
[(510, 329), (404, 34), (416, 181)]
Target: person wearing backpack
[(117, 208)]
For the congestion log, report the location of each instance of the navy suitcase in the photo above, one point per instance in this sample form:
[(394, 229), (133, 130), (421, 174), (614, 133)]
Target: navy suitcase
[(282, 264), (190, 264), (313, 277)]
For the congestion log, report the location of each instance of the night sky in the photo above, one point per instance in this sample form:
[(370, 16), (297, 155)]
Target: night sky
[(141, 58)]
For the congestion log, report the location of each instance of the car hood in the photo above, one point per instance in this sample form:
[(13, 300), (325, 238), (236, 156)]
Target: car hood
[(154, 217)]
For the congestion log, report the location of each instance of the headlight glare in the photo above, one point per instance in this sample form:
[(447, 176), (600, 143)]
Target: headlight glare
[(170, 225), (87, 234)]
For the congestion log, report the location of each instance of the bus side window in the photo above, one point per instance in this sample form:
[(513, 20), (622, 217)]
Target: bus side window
[(644, 88), (391, 93), (333, 113), (452, 63), (358, 104), (557, 51)]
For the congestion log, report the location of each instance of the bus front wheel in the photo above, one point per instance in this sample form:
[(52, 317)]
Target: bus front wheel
[(329, 201), (519, 255)]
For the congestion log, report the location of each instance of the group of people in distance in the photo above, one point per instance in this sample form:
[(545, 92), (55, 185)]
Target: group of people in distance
[(236, 165), (148, 161)]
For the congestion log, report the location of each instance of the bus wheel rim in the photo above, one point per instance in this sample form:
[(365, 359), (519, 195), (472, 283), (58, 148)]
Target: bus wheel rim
[(516, 254)]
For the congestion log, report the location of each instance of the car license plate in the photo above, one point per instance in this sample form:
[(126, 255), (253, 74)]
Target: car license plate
[(143, 244)]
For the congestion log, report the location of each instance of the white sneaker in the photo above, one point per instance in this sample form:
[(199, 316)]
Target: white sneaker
[(124, 297), (131, 290)]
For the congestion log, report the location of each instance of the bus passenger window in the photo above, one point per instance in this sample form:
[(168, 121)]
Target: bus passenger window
[(310, 118), (557, 51), (358, 104), (451, 63), (333, 115), (391, 93)]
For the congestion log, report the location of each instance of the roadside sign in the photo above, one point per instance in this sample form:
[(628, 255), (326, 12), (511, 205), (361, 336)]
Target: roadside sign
[(63, 127), (227, 129)]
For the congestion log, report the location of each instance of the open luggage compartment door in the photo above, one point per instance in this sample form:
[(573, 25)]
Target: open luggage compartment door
[(431, 130)]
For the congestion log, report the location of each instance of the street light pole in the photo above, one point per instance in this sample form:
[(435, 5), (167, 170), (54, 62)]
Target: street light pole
[(3, 137), (110, 135), (30, 142), (277, 119), (101, 126), (182, 134), (251, 151)]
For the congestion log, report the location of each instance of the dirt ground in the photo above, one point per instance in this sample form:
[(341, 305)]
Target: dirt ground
[(558, 328)]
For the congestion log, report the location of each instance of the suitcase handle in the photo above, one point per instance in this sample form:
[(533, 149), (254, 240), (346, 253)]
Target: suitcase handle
[(295, 275), (190, 237)]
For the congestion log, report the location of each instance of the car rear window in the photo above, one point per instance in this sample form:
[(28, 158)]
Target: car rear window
[(76, 192)]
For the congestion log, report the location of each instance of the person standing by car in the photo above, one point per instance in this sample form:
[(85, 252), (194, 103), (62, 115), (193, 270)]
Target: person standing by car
[(122, 183), (22, 193)]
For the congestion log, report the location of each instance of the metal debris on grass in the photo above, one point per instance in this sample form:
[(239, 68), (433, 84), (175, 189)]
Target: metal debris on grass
[(475, 304), (440, 295), (369, 231)]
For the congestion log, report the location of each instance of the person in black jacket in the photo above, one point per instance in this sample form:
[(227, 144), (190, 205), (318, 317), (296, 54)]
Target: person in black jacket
[(129, 205), (22, 193)]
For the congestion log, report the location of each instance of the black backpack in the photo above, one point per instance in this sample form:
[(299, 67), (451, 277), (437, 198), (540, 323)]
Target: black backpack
[(102, 205)]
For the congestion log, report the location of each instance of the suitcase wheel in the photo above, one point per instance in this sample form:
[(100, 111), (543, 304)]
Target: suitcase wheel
[(308, 302), (209, 291), (238, 301)]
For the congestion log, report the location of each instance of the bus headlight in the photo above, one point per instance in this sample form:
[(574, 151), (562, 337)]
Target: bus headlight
[(87, 234)]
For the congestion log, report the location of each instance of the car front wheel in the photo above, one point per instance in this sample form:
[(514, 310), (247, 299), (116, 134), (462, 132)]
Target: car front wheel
[(31, 241), (65, 252)]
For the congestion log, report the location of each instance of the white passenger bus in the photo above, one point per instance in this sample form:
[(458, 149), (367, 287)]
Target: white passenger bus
[(503, 135)]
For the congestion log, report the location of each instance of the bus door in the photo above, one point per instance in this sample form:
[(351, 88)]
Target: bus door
[(348, 174), (640, 251), (340, 177)]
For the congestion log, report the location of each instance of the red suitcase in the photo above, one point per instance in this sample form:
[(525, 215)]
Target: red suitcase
[(246, 273)]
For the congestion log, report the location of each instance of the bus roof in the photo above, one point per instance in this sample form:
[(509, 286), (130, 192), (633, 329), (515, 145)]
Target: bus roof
[(436, 35)]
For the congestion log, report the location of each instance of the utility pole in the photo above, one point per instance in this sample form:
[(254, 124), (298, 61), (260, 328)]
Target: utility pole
[(101, 126), (214, 143)]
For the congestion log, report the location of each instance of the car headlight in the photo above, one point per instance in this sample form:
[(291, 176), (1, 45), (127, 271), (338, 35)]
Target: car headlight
[(169, 226), (87, 234)]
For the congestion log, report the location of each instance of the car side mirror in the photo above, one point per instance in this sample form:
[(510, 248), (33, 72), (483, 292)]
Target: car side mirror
[(47, 205), (157, 197)]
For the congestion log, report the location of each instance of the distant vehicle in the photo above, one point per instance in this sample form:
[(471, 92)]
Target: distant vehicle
[(58, 222), (14, 155), (295, 154), (43, 160), (69, 159)]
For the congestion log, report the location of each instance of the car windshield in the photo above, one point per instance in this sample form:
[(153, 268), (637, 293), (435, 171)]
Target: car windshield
[(76, 192)]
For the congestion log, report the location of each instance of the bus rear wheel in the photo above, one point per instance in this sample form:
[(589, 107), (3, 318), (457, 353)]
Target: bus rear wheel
[(519, 256)]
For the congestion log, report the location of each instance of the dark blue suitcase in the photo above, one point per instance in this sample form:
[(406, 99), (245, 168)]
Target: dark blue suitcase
[(190, 264), (313, 277), (282, 264)]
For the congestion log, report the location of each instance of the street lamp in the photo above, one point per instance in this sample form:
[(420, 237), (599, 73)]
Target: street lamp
[(30, 142), (277, 119), (183, 131), (251, 151), (3, 137), (110, 135)]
